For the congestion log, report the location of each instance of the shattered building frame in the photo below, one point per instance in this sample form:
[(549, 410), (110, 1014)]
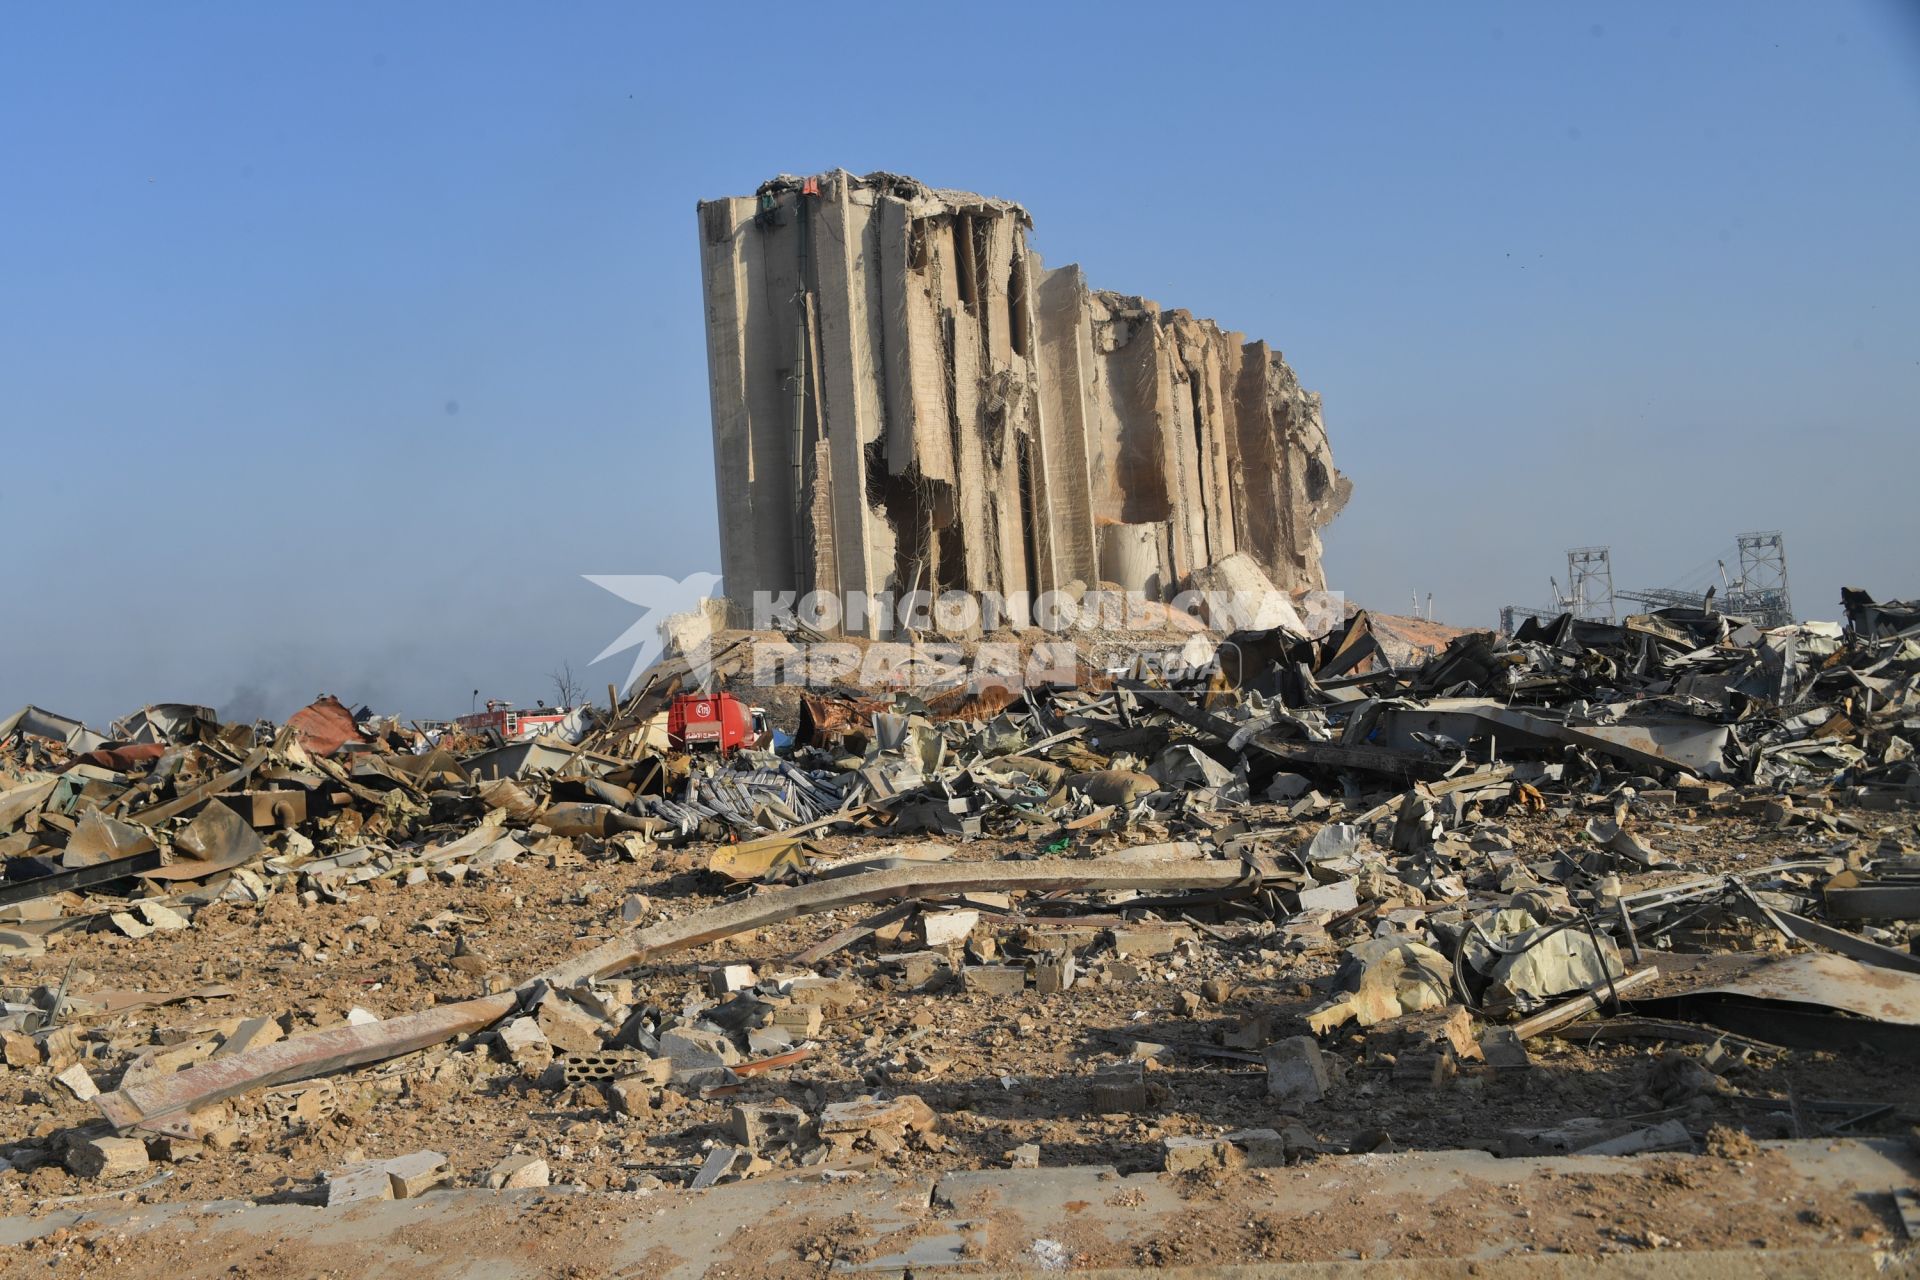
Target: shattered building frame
[(905, 399)]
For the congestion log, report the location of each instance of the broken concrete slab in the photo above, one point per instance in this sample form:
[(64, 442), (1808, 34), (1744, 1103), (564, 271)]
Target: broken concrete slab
[(517, 1173), (1296, 1073), (416, 1173), (106, 1157)]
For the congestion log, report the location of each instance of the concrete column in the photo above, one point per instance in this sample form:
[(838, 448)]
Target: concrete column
[(1063, 353), (849, 380)]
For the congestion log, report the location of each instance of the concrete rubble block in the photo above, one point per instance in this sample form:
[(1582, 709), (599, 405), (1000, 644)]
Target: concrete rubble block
[(1118, 1087), (690, 1049), (1427, 1047), (723, 1164), (78, 1082), (160, 916), (517, 1173), (567, 1026), (1296, 1073), (946, 928), (802, 1021), (631, 1095), (829, 994), (1054, 974), (994, 979), (600, 1002), (202, 1122), (1188, 1154), (310, 1106), (416, 1173), (1568, 1135), (252, 1033), (130, 925), (885, 1124), (1024, 1156), (1245, 1148), (105, 1158), (762, 1127), (1338, 897), (1052, 939), (1121, 972), (1253, 1032), (172, 1150), (729, 978), (1260, 1148), (1235, 594), (358, 1184), (1700, 791), (615, 1064), (521, 1039), (21, 1049), (1144, 941), (921, 968)]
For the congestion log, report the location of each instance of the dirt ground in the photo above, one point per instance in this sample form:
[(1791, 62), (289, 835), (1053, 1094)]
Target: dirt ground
[(999, 1071)]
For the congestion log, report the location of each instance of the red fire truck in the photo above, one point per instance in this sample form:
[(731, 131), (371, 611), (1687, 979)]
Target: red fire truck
[(711, 722), (510, 724)]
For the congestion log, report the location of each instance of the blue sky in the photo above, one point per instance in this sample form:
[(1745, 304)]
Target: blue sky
[(337, 342)]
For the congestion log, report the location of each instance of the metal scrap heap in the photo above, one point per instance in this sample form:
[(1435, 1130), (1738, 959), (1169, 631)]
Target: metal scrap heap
[(1595, 889)]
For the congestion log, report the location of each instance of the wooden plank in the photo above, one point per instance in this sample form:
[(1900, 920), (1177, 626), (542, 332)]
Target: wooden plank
[(1632, 1028), (158, 1103), (917, 881), (848, 936), (155, 1103), (1582, 1005), (1486, 775)]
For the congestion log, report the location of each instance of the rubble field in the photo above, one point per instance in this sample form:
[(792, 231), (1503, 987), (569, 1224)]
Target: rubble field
[(1595, 889)]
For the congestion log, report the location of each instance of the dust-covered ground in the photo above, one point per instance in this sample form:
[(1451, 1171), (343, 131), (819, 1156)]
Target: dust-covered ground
[(1000, 1071)]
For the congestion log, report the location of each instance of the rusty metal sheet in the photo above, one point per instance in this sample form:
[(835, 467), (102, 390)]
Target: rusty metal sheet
[(832, 723), (42, 723), (268, 809), (1830, 981), (323, 726), (118, 759), (216, 840)]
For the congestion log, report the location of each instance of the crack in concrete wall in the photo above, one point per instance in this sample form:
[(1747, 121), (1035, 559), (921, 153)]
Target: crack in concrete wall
[(905, 398)]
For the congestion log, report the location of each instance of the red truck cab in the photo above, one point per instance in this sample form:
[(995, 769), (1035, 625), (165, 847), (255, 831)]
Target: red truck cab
[(710, 722)]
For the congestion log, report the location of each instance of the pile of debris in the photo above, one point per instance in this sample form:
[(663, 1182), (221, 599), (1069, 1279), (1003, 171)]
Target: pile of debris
[(1301, 878)]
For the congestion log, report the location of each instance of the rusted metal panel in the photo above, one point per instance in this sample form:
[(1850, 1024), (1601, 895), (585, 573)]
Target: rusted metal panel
[(323, 726)]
